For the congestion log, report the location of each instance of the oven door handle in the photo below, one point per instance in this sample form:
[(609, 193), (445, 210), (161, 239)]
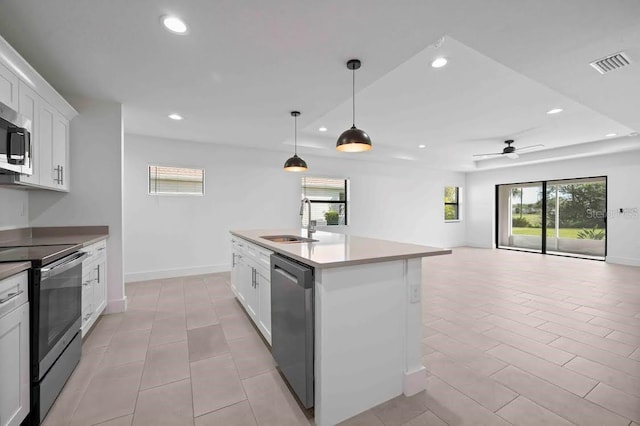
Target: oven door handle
[(74, 260)]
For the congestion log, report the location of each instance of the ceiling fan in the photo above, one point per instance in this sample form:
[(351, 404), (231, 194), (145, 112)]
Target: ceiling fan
[(510, 151)]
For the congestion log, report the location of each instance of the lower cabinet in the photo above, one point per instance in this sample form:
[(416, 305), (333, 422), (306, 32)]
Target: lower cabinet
[(14, 350), (94, 284), (251, 282)]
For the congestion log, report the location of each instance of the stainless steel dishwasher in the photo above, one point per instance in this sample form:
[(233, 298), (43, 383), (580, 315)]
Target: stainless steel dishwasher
[(292, 324)]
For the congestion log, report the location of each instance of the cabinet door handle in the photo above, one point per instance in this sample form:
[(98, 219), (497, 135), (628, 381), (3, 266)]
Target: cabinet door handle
[(233, 260), (98, 268), (11, 296), (61, 175), (253, 277)]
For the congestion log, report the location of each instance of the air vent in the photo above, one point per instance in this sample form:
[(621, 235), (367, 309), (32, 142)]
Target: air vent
[(611, 62)]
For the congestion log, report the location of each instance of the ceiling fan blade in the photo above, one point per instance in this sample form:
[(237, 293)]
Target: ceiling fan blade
[(512, 155), (524, 148), (486, 155)]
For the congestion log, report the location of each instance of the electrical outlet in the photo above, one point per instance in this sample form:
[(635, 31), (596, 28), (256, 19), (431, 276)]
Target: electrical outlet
[(414, 293)]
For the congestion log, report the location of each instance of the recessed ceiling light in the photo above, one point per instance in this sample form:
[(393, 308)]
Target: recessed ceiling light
[(555, 111), (439, 62), (175, 116), (421, 146), (322, 129), (610, 135), (174, 24)]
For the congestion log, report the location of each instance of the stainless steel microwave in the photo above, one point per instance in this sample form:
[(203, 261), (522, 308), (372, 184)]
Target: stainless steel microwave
[(15, 142)]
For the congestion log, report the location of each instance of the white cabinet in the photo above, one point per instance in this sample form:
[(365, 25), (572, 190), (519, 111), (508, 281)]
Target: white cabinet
[(94, 284), (251, 282), (53, 147), (14, 350), (264, 301), (8, 88), (35, 99), (49, 142), (29, 107)]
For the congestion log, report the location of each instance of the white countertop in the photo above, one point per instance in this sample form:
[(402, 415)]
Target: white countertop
[(335, 250)]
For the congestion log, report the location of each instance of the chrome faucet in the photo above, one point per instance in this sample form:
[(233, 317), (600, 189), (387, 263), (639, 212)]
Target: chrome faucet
[(311, 225)]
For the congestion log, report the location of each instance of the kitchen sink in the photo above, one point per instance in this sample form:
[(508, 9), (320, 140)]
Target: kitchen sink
[(288, 239)]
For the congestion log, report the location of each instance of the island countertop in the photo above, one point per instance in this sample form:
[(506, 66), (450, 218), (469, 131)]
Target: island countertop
[(333, 250)]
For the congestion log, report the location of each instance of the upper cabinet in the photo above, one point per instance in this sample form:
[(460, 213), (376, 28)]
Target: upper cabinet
[(29, 102), (49, 114), (8, 87)]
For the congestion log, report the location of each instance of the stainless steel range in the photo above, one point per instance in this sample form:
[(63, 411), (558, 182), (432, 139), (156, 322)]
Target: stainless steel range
[(55, 293)]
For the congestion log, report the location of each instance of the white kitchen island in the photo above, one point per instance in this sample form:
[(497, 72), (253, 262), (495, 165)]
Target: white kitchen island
[(368, 317)]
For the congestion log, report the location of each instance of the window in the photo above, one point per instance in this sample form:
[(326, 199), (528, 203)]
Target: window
[(451, 203), (328, 200), (175, 181)]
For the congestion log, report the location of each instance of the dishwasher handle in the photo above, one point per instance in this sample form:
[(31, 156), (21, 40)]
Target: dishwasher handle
[(289, 276), (292, 270)]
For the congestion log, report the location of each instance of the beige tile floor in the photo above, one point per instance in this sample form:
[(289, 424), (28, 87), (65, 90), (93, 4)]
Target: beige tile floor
[(509, 338)]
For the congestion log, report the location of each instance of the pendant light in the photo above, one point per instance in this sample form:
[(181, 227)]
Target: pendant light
[(295, 163), (354, 139)]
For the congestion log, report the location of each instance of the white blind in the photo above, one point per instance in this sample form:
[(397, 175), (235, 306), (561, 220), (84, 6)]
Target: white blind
[(176, 180)]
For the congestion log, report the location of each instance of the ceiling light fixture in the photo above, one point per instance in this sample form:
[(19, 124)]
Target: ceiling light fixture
[(421, 146), (295, 163), (175, 116), (353, 139), (174, 24), (439, 62), (322, 129), (555, 111), (610, 135)]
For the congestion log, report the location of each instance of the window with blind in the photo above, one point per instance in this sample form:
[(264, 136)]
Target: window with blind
[(175, 181), (328, 200)]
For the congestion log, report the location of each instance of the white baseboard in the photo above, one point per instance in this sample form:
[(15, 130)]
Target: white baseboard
[(116, 306), (623, 261), (176, 272), (415, 381), (480, 245)]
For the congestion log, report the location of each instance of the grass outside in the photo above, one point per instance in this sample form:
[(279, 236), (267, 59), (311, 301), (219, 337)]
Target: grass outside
[(564, 232), (533, 218)]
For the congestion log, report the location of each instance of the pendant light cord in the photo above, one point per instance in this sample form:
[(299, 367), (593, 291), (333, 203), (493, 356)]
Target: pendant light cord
[(295, 134), (353, 96)]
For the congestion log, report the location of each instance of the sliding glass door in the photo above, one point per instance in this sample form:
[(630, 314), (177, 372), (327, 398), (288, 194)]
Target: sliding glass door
[(576, 217), (520, 212), (570, 214)]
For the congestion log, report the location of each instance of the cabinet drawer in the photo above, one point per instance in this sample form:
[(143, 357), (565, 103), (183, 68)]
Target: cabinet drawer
[(264, 257), (14, 292)]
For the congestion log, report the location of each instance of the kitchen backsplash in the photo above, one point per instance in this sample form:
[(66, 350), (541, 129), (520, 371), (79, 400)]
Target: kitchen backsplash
[(14, 208)]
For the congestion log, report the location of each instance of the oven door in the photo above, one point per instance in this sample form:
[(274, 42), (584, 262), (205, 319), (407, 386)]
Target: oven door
[(58, 309)]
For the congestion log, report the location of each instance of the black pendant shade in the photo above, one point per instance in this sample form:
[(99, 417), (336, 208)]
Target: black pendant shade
[(353, 139), (295, 163)]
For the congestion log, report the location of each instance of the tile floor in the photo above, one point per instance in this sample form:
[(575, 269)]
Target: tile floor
[(509, 338)]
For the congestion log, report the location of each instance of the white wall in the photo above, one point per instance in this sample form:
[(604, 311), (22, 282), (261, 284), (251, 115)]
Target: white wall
[(95, 185), (247, 188), (14, 208), (622, 170)]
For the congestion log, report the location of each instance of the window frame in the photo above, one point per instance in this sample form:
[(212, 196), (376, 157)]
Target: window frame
[(178, 194), (456, 204), (346, 181)]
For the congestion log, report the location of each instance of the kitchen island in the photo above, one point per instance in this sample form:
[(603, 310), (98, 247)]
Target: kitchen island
[(367, 316)]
